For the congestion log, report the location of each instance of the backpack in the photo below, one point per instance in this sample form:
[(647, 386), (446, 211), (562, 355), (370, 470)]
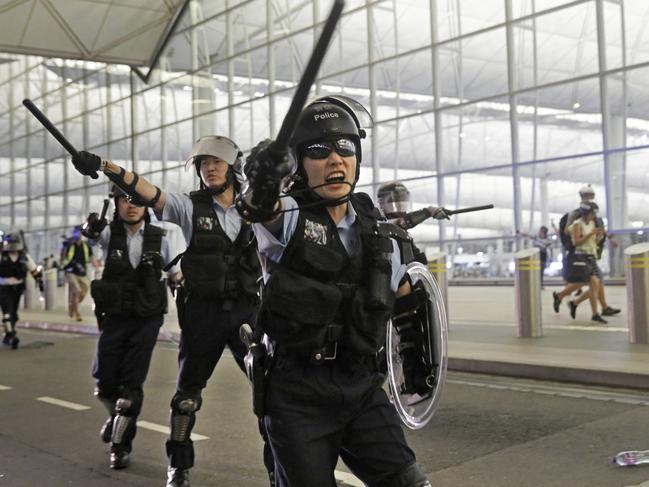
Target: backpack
[(566, 241)]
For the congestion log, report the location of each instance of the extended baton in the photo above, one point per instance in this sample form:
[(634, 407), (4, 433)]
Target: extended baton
[(467, 210), (50, 127), (289, 123)]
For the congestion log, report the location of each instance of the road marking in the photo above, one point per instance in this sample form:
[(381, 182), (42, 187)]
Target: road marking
[(62, 403), (643, 484), (4, 388), (348, 479), (609, 328), (165, 429), (571, 392)]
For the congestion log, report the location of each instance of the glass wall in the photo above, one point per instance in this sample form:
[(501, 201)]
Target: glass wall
[(518, 103)]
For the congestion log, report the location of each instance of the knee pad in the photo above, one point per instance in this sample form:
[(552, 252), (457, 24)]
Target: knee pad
[(410, 476), (183, 415), (129, 402)]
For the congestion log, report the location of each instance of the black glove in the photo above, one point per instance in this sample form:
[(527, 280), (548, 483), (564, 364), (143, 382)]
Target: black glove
[(265, 168), (439, 213), (93, 226), (87, 163)]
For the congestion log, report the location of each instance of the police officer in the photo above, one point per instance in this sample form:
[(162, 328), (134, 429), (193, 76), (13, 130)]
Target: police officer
[(15, 263), (220, 270), (130, 301), (394, 201), (330, 283)]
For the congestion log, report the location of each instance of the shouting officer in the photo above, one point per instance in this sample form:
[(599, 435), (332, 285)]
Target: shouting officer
[(220, 270), (330, 284), (15, 263), (130, 301)]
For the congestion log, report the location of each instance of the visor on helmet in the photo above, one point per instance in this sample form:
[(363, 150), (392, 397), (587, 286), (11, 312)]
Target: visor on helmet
[(215, 146), (394, 199)]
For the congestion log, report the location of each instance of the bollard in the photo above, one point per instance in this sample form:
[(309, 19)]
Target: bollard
[(31, 298), (527, 286), (636, 261), (437, 267), (50, 284)]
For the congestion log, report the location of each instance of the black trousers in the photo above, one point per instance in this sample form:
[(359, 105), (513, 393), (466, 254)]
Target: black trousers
[(10, 300), (206, 327), (124, 352), (316, 413)]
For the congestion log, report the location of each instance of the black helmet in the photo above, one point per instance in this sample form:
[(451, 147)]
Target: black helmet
[(394, 199), (13, 242), (329, 118)]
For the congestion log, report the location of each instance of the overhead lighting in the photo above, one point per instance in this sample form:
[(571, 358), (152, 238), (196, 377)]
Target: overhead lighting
[(462, 135), (187, 88), (576, 105), (637, 224)]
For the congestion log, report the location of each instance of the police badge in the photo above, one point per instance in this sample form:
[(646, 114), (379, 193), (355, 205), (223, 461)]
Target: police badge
[(315, 232)]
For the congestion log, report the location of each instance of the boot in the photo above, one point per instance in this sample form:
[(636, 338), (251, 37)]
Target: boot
[(7, 339), (119, 459), (177, 477), (14, 342)]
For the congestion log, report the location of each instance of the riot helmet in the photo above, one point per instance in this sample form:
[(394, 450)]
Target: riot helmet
[(221, 148), (394, 199), (328, 119), (587, 193), (13, 242), (116, 193)]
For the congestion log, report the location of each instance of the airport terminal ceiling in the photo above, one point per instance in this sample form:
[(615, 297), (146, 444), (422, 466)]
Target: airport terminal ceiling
[(515, 102)]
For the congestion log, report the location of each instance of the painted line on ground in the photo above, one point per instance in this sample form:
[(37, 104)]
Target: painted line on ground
[(643, 484), (348, 479), (62, 403), (570, 392), (165, 429), (4, 388)]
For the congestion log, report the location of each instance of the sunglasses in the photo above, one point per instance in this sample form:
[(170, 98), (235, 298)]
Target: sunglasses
[(320, 150)]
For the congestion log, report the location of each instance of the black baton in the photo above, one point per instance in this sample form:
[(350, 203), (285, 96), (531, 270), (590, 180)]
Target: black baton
[(50, 127), (289, 123), (104, 209), (467, 210)]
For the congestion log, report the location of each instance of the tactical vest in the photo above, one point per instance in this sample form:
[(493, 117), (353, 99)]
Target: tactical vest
[(9, 268), (213, 266), (318, 294), (123, 290)]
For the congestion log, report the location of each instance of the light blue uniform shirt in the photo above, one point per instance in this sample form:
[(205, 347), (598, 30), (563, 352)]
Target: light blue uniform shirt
[(179, 209), (134, 246), (272, 247)]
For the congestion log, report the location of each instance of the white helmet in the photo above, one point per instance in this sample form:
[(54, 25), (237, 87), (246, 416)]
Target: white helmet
[(587, 191), (220, 147)]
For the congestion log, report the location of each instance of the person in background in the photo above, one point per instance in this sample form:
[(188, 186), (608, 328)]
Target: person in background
[(75, 257), (15, 263)]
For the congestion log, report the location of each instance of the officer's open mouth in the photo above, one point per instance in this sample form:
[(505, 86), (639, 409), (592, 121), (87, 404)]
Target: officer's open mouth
[(336, 177)]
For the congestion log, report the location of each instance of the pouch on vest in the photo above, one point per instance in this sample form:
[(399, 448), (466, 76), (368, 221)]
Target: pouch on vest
[(150, 300), (107, 296), (317, 261), (207, 273), (365, 326)]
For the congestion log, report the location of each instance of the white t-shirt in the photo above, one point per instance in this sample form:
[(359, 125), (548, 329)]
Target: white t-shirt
[(590, 245)]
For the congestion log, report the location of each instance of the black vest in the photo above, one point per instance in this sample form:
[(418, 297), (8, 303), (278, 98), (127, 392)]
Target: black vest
[(318, 294), (123, 290), (213, 266), (9, 268)]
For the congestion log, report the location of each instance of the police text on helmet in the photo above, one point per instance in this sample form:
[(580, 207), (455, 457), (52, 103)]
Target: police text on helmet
[(325, 115)]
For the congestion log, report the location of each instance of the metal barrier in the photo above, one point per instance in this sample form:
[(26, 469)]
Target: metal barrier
[(49, 288), (437, 267), (527, 286), (636, 259)]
